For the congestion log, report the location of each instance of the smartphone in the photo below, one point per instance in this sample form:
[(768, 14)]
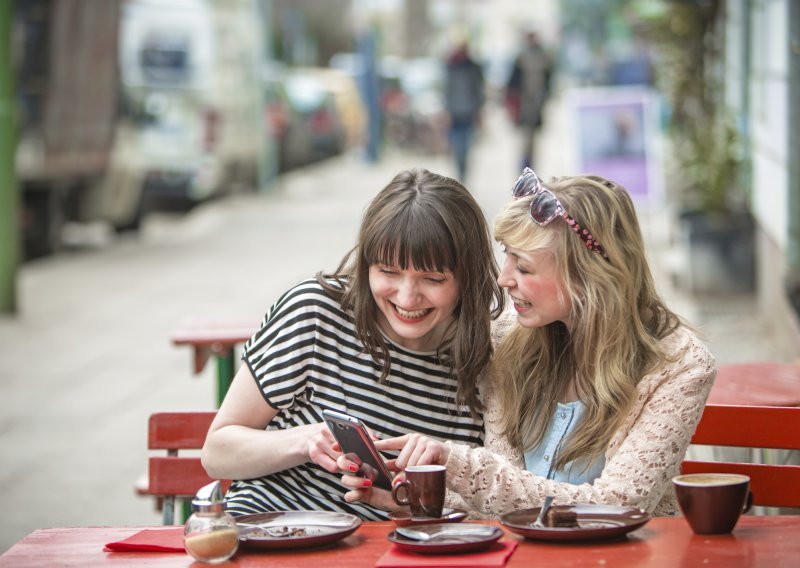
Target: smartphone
[(357, 446)]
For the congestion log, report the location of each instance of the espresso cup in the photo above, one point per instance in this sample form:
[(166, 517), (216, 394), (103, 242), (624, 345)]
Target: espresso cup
[(713, 502), (423, 490)]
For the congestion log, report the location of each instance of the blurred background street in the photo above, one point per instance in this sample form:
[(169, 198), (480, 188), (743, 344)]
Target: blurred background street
[(208, 207)]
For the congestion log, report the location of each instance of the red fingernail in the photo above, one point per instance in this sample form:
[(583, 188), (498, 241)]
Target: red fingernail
[(367, 483), (353, 467)]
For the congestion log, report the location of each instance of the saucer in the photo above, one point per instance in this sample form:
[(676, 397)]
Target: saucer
[(403, 518), (283, 530), (595, 522), (455, 543)]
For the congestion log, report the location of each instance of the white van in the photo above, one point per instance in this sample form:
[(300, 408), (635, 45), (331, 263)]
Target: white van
[(191, 123)]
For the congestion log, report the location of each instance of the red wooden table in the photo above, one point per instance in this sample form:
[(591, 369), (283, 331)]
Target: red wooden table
[(772, 541), (757, 384), (215, 337)]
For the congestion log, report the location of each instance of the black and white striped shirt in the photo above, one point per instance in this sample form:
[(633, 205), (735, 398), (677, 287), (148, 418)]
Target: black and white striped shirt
[(306, 357)]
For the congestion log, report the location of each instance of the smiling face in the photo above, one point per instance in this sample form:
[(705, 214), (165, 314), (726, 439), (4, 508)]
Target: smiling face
[(415, 307), (535, 288)]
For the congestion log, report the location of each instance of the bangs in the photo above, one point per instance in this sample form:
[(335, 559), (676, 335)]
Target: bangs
[(414, 237)]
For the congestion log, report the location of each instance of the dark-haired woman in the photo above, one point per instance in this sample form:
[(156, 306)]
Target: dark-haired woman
[(397, 336)]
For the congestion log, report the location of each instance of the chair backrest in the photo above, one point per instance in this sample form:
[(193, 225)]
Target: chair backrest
[(175, 475), (765, 427)]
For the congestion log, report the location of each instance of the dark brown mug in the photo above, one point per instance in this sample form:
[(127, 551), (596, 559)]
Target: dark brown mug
[(713, 502), (423, 490)]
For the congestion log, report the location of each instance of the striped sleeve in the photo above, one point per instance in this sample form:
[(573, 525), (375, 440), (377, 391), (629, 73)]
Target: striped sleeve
[(282, 354)]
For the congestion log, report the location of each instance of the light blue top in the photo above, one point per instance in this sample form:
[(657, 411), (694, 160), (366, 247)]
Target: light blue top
[(540, 460)]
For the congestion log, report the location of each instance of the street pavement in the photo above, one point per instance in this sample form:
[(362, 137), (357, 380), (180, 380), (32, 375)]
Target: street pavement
[(88, 357)]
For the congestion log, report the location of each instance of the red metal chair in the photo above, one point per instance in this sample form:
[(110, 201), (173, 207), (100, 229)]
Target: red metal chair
[(767, 427), (176, 476)]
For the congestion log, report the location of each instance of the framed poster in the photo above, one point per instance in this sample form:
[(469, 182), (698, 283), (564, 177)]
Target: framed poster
[(618, 137)]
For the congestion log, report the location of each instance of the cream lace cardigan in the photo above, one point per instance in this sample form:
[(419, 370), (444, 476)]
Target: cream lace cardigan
[(641, 459)]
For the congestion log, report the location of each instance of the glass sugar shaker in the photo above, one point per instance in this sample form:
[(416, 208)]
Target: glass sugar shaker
[(210, 534)]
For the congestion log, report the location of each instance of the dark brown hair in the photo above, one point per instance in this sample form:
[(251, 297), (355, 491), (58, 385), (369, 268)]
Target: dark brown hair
[(433, 223)]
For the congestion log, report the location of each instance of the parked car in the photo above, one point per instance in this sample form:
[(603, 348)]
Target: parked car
[(302, 114), (189, 130), (292, 142), (412, 105), (316, 107), (422, 81), (349, 104)]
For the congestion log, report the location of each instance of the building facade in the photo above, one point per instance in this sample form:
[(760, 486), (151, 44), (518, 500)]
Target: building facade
[(762, 78)]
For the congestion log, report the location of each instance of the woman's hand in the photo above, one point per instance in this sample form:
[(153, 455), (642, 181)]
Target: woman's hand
[(321, 447), (415, 449), (361, 489)]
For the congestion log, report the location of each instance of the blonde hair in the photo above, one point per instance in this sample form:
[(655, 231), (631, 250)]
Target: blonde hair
[(617, 320)]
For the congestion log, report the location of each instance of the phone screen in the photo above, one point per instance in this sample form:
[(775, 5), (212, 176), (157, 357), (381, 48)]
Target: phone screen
[(356, 444)]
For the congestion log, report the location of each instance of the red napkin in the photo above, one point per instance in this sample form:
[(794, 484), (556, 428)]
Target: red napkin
[(495, 556), (168, 539)]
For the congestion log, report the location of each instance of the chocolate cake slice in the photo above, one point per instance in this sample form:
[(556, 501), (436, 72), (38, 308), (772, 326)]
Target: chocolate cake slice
[(556, 517)]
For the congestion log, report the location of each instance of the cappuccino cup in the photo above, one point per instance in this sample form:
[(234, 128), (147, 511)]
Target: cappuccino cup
[(713, 502), (423, 490)]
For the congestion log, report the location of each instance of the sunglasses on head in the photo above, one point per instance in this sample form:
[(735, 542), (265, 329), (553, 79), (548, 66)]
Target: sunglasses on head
[(545, 207)]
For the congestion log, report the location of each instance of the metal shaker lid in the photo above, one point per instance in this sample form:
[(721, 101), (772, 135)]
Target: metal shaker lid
[(209, 499)]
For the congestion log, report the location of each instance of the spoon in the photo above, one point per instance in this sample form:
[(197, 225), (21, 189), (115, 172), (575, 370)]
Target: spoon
[(539, 522), (461, 530)]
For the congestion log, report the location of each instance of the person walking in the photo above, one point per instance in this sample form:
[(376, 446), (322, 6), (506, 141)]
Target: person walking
[(527, 91), (464, 98)]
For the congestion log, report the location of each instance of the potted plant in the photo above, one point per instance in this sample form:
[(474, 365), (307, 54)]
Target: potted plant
[(707, 171)]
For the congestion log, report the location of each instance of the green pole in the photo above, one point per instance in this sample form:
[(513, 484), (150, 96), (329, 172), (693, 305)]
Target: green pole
[(225, 371), (9, 197)]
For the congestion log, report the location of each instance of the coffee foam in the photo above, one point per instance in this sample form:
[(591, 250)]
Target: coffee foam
[(422, 468), (710, 479)]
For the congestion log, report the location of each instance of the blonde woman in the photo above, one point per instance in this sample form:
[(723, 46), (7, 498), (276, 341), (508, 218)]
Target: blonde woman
[(598, 386)]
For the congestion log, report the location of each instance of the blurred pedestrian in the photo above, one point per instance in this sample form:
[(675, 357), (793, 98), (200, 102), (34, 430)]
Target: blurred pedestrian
[(398, 336), (527, 90), (464, 98)]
